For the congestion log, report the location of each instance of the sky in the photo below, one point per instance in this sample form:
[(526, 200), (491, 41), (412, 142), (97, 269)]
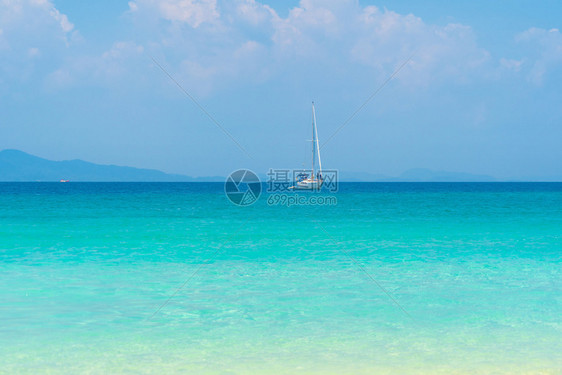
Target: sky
[(480, 90)]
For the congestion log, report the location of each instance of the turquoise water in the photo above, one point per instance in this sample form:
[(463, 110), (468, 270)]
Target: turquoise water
[(394, 278)]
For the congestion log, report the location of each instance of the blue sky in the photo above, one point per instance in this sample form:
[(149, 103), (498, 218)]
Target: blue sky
[(480, 95)]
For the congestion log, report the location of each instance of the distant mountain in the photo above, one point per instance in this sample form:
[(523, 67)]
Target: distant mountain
[(345, 176), (417, 175), (19, 166), (427, 175)]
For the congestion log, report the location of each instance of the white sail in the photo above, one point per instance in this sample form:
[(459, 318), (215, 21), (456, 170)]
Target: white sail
[(315, 180), (313, 140), (315, 130)]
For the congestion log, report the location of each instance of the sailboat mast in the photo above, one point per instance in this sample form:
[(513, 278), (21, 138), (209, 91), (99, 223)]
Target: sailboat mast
[(317, 143), (313, 141)]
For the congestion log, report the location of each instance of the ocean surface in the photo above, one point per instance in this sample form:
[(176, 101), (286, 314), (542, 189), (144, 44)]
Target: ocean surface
[(412, 278)]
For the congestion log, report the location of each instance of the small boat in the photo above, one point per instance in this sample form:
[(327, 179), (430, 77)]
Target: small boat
[(312, 181), (64, 180)]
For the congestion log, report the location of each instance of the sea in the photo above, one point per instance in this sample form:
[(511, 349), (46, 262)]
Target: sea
[(375, 278)]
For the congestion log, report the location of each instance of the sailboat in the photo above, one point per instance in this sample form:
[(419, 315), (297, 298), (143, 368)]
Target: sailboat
[(314, 180)]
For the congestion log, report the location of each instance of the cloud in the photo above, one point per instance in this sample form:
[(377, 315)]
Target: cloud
[(192, 12), (3, 41), (331, 33), (305, 29), (253, 12), (384, 38), (18, 15), (511, 64), (543, 51), (33, 52), (211, 44), (214, 44), (203, 75), (33, 31), (109, 69), (62, 19)]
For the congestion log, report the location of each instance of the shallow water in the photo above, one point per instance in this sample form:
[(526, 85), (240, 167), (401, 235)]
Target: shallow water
[(395, 278)]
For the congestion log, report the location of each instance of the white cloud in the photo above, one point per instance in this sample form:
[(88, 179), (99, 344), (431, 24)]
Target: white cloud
[(108, 69), (3, 41), (511, 64), (29, 14), (313, 26), (33, 52), (346, 34), (253, 12), (247, 41), (32, 31), (203, 75), (60, 78), (192, 12), (133, 7), (543, 49), (62, 19), (122, 49), (33, 21)]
